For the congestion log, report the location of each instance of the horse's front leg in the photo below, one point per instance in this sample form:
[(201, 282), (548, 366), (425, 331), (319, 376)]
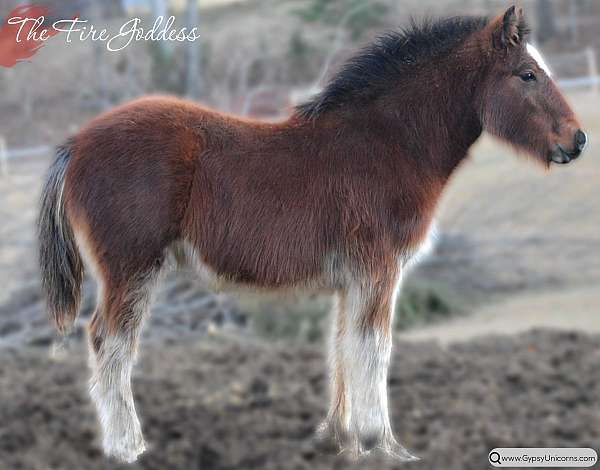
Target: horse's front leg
[(363, 343), (334, 430)]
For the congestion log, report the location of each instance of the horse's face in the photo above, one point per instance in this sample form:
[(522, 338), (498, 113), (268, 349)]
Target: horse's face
[(519, 100)]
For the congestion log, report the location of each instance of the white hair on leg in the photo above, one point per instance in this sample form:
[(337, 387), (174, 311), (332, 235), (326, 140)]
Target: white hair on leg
[(366, 355), (335, 426), (110, 389), (533, 52), (110, 386)]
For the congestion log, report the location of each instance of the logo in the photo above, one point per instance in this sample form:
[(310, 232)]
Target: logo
[(18, 41), (543, 457), (26, 29)]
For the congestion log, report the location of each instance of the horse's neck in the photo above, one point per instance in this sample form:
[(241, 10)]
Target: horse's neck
[(430, 138), (441, 122), (449, 144)]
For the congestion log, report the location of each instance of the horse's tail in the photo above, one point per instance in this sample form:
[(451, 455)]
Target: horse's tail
[(60, 261)]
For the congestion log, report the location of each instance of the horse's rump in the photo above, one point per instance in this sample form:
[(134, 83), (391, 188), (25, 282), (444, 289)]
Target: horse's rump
[(128, 183)]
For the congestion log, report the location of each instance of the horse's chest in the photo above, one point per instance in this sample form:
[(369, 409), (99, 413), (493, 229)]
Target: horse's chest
[(421, 250)]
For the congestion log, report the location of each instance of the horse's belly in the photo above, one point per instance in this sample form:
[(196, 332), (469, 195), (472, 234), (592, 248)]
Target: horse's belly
[(259, 265)]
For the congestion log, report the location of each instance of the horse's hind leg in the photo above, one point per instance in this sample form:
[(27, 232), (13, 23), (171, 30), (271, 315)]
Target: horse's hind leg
[(114, 336)]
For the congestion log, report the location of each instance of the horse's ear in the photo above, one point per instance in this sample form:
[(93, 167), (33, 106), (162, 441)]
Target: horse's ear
[(508, 29)]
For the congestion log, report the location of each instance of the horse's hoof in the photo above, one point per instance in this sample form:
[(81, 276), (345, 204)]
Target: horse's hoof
[(386, 445), (126, 450), (393, 449), (326, 439)]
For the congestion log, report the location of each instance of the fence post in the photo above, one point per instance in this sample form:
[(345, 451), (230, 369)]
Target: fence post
[(3, 157), (592, 68)]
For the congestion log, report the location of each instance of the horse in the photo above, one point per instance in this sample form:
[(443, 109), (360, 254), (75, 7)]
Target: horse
[(339, 197)]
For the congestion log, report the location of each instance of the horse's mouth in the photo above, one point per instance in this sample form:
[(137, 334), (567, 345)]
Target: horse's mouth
[(562, 157)]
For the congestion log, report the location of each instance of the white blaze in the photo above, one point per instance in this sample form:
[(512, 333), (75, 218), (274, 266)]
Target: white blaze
[(533, 52)]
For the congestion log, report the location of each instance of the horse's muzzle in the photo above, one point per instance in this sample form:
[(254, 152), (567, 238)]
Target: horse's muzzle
[(562, 156)]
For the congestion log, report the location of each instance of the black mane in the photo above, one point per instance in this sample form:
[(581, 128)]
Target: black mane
[(369, 73)]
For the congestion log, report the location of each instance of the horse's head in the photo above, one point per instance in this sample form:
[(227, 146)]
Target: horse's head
[(518, 99)]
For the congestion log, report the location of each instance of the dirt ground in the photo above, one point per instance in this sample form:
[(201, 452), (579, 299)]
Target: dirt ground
[(575, 309), (225, 404)]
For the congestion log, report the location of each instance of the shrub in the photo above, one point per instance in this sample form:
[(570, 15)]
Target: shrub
[(421, 303), (306, 317)]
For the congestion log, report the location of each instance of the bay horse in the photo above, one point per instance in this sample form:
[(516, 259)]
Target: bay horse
[(338, 197)]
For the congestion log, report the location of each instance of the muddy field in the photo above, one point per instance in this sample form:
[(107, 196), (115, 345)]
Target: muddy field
[(225, 404)]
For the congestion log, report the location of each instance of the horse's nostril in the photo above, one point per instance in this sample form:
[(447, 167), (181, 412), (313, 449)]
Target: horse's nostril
[(580, 139)]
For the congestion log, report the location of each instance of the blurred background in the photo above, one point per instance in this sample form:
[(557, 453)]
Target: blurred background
[(497, 331)]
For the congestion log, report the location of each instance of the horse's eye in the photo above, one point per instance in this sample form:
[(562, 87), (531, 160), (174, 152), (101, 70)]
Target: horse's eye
[(528, 77)]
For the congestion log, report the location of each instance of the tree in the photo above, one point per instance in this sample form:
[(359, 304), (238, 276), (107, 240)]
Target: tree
[(193, 78), (546, 20)]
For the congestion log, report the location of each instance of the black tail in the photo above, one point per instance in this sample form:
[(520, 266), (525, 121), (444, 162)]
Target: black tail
[(60, 261)]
